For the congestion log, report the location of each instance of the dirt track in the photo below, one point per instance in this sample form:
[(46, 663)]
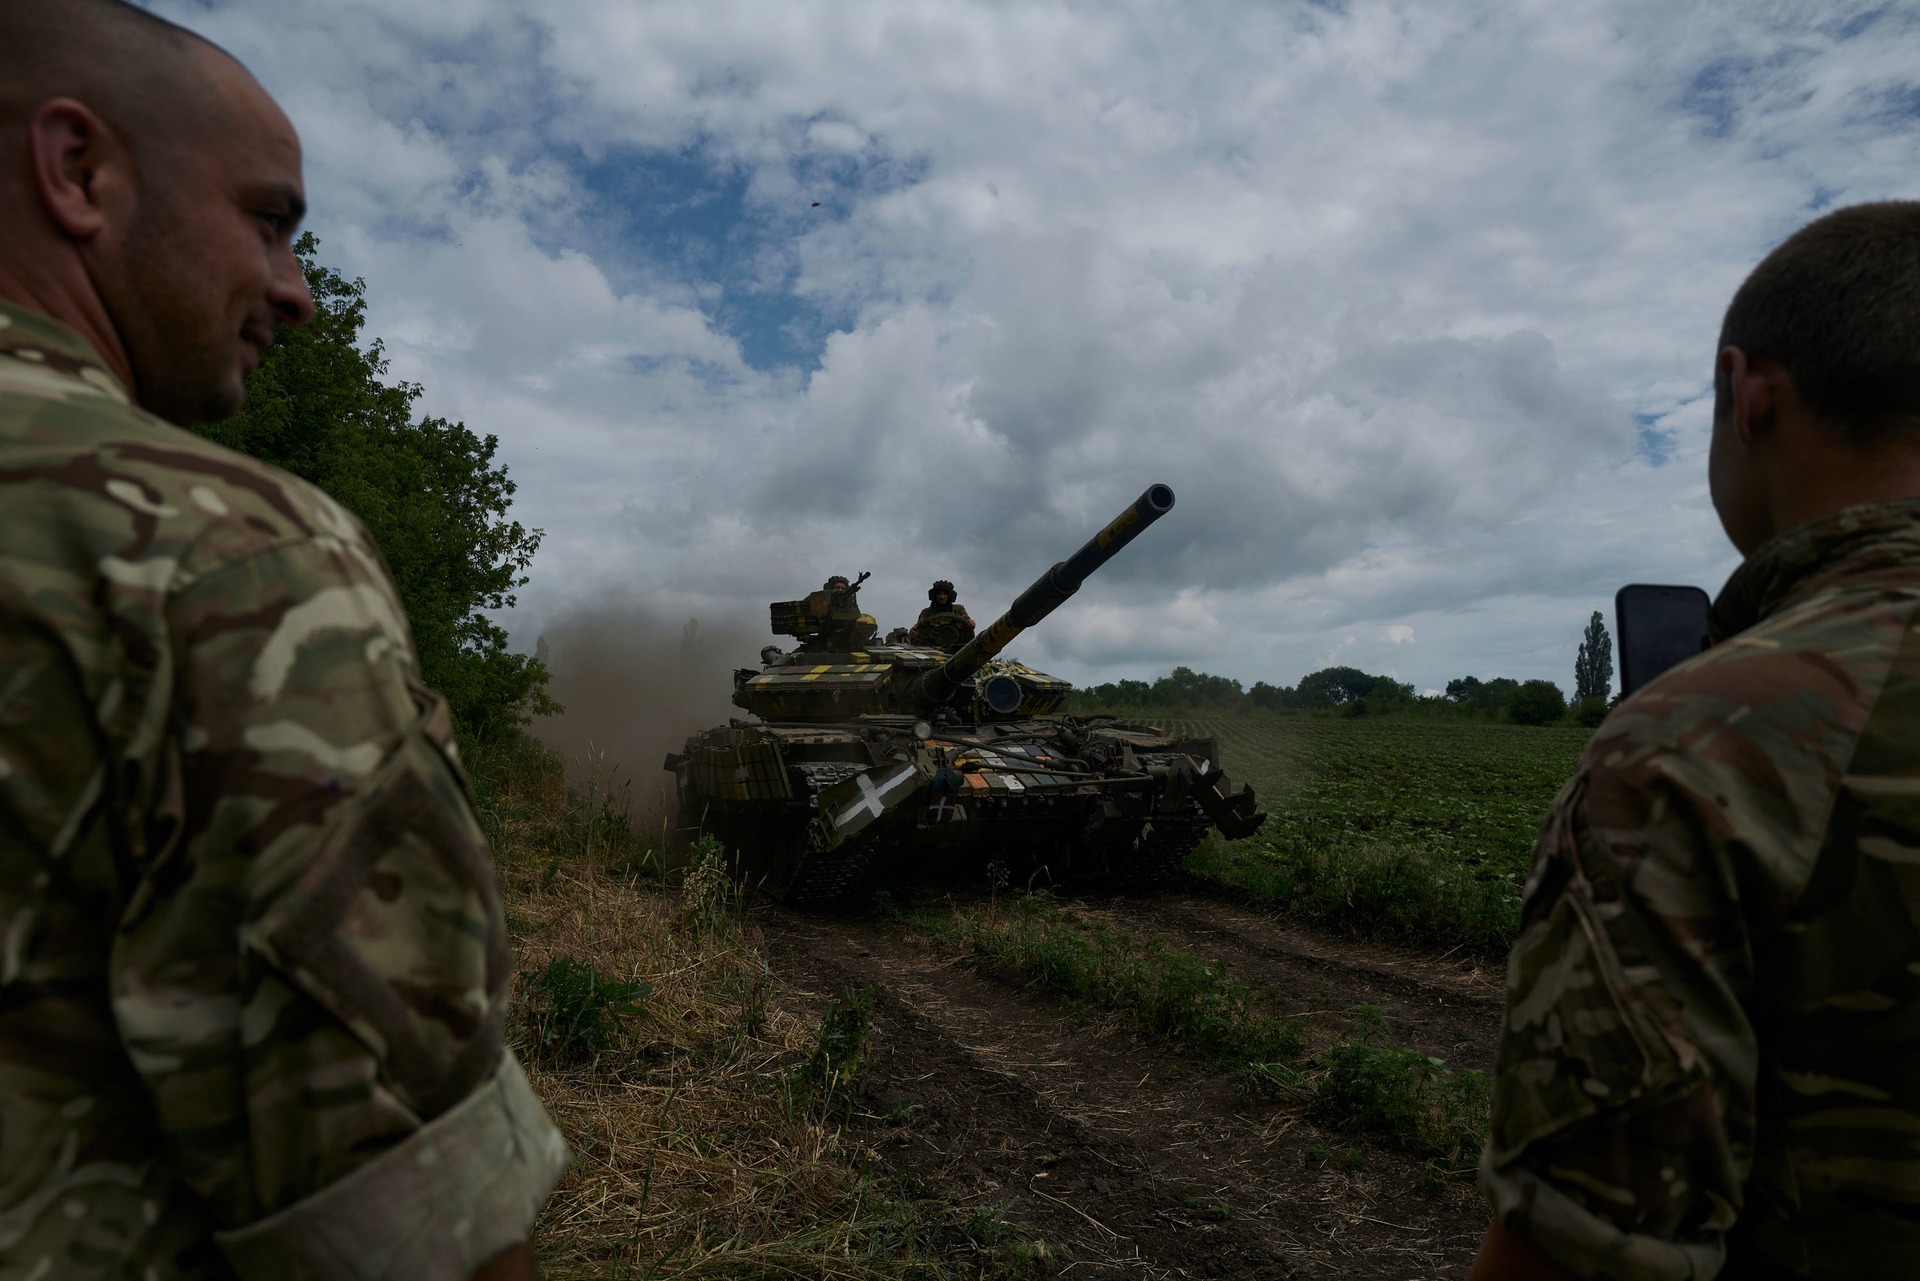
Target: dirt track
[(1124, 1158)]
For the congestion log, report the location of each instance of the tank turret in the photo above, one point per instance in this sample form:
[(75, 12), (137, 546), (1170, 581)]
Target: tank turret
[(837, 672)]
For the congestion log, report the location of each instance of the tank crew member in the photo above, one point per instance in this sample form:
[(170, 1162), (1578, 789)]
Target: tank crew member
[(944, 622), (1710, 1064), (255, 967)]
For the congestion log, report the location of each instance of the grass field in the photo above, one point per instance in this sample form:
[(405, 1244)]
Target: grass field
[(1418, 829)]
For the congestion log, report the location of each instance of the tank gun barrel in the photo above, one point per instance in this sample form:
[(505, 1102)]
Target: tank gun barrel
[(1045, 595)]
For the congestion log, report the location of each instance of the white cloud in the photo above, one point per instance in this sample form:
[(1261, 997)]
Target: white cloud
[(1379, 291)]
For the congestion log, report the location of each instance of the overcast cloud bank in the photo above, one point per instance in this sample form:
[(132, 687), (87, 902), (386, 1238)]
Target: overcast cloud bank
[(1412, 305)]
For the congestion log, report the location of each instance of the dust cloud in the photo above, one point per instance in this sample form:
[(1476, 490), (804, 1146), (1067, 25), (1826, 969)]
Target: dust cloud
[(635, 685)]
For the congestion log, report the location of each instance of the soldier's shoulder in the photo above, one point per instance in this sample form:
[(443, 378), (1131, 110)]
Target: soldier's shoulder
[(95, 463), (1751, 740)]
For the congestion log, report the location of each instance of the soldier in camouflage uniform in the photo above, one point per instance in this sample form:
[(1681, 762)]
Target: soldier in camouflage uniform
[(252, 959), (1711, 1057), (944, 622)]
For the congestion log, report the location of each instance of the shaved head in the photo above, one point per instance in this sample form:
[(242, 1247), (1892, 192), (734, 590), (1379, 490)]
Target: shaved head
[(149, 192), (144, 75)]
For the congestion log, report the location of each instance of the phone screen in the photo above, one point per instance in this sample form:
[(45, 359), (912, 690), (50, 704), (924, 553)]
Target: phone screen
[(1659, 626)]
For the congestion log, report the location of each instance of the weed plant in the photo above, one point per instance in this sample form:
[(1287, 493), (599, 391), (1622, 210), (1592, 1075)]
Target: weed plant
[(573, 1011), (826, 1082), (1394, 1094), (1162, 991), (1381, 888)]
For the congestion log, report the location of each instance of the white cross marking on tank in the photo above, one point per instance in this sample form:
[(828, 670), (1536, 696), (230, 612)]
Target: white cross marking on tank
[(872, 799), (940, 809)]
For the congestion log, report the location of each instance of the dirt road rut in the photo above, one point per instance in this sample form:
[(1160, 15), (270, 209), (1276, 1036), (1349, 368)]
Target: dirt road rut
[(1120, 1157)]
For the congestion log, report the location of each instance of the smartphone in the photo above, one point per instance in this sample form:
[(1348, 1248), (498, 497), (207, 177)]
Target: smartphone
[(1658, 626)]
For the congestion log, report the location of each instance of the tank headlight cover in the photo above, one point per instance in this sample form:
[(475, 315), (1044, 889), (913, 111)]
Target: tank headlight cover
[(1003, 695), (923, 729)]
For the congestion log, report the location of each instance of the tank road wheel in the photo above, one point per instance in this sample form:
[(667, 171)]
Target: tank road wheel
[(1156, 857)]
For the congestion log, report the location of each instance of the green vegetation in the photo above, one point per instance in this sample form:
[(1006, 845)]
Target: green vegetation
[(1416, 830), (827, 1080), (708, 1134), (572, 1010), (1593, 665), (1341, 691), (1361, 1084), (1165, 993), (428, 490), (1387, 1092)]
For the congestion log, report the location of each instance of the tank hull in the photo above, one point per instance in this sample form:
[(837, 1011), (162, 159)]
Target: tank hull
[(817, 814)]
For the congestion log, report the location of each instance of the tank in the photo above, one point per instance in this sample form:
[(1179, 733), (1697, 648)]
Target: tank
[(877, 761)]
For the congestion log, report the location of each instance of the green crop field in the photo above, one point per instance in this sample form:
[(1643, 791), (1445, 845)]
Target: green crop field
[(1421, 829)]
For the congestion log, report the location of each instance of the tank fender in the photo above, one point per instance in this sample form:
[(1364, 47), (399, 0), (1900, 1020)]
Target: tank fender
[(1237, 814), (852, 805)]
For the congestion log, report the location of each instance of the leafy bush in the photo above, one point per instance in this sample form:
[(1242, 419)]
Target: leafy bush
[(707, 894), (573, 1011), (827, 1080), (1399, 1095)]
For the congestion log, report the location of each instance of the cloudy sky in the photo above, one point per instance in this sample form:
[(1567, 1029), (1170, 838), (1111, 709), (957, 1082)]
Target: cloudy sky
[(1412, 304)]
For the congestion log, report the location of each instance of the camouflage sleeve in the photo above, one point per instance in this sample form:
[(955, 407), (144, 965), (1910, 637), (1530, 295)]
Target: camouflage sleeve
[(1623, 1108), (312, 976)]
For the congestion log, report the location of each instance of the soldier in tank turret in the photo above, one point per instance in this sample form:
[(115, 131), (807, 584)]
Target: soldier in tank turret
[(944, 623)]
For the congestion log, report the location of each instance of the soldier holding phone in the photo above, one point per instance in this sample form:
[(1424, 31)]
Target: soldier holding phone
[(1711, 1056)]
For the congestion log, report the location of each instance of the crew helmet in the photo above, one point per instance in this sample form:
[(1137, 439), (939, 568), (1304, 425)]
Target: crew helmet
[(942, 586)]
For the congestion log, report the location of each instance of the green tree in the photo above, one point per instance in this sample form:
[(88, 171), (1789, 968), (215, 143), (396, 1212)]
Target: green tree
[(1593, 665), (429, 491), (1537, 703), (1339, 686)]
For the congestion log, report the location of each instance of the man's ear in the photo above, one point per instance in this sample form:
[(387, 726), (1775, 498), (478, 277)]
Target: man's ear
[(81, 169), (1751, 389)]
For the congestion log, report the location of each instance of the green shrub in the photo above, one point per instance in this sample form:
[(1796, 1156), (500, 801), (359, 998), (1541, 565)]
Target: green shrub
[(833, 1071), (707, 893), (573, 1011), (1399, 1095)]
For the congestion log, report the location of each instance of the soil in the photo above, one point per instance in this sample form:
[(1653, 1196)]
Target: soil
[(1118, 1156)]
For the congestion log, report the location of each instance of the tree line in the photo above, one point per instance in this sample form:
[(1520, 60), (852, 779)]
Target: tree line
[(1345, 691), (427, 489), (1348, 691)]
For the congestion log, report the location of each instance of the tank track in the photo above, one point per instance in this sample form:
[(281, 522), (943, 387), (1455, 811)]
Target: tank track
[(828, 880), (1156, 859)]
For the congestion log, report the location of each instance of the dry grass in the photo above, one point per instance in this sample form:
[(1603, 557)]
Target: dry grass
[(698, 1149)]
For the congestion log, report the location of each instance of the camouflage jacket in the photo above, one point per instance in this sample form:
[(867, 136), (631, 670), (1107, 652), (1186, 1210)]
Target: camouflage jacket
[(930, 627), (1711, 1055), (253, 964)]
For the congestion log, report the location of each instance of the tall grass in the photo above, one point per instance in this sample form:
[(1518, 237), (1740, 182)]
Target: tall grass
[(665, 1048)]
